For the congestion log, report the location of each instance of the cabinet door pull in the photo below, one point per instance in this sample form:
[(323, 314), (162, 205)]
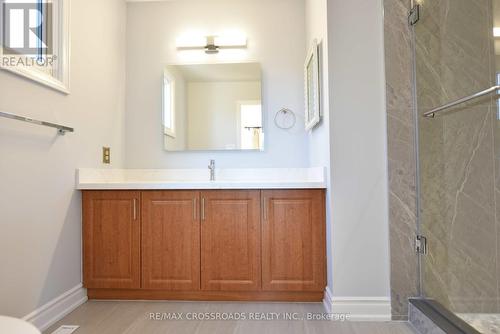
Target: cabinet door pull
[(135, 209), (202, 208), (194, 208), (264, 207)]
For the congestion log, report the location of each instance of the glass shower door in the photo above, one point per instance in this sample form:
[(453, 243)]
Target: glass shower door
[(459, 158)]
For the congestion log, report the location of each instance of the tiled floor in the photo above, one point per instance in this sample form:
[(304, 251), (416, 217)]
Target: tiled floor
[(95, 317)]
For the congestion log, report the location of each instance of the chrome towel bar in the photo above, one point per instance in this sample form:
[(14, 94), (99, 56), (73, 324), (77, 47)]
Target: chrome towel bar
[(61, 129), (432, 113)]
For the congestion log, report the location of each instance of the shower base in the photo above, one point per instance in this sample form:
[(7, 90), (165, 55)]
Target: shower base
[(429, 317), (484, 323)]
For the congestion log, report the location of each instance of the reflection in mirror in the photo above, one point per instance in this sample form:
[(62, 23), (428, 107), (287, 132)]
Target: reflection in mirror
[(169, 105), (212, 107)]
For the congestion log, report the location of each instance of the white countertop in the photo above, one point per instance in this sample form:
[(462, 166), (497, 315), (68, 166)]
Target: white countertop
[(151, 179)]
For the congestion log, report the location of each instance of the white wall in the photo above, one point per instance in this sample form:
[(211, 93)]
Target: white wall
[(276, 39), (358, 140), (351, 143), (40, 211), (213, 112), (319, 138)]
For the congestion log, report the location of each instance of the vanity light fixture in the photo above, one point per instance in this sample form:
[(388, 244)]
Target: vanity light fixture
[(211, 47), (212, 44), (496, 32)]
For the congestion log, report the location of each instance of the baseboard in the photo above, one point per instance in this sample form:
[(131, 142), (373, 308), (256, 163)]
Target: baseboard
[(48, 314), (358, 308)]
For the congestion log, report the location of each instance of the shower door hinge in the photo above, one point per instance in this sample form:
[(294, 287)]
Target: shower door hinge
[(414, 16), (421, 244)]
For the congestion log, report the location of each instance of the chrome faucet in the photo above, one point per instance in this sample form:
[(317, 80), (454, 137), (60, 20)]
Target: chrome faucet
[(212, 170)]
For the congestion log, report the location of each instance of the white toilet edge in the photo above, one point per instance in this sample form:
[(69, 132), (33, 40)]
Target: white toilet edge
[(16, 326)]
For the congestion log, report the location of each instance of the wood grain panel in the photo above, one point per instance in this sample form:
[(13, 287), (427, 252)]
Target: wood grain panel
[(293, 240), (170, 240), (230, 240), (111, 239)]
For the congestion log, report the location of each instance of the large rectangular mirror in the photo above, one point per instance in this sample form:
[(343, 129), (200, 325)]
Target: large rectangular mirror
[(212, 107)]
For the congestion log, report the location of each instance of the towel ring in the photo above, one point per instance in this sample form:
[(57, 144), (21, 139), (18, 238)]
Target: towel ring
[(285, 119)]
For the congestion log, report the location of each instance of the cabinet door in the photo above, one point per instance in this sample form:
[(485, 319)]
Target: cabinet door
[(230, 240), (111, 239), (170, 240), (293, 242)]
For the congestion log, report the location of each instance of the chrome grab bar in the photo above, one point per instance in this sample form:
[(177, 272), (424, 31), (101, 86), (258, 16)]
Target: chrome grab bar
[(432, 113), (61, 129)]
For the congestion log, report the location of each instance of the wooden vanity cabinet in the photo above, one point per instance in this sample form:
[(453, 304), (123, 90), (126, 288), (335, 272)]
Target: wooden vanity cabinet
[(205, 245), (111, 239), (293, 240), (171, 240), (230, 240)]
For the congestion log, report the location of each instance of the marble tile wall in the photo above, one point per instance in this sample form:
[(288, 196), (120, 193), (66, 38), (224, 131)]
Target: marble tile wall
[(454, 58), (459, 155), (401, 155)]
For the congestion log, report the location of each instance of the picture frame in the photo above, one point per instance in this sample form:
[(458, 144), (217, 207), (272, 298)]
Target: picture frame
[(312, 87)]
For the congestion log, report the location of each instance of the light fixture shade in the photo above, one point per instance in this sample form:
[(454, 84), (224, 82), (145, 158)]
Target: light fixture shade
[(496, 31), (191, 41), (211, 43), (231, 41)]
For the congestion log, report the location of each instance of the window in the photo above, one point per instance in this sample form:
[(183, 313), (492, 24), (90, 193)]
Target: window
[(34, 40), (168, 105)]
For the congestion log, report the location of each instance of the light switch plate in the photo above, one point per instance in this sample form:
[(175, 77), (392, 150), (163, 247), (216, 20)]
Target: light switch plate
[(65, 329), (106, 155)]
